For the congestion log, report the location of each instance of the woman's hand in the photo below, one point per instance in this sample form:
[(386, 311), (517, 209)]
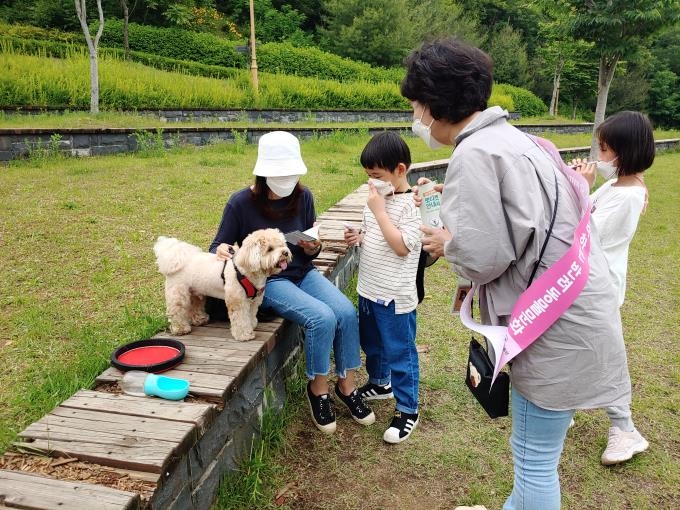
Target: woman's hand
[(224, 251), (587, 169), (434, 240), (417, 199), (310, 247)]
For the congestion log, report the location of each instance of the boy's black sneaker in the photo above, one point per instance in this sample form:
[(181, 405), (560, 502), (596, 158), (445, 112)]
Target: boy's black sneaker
[(370, 391), (401, 427), (357, 408), (322, 412)]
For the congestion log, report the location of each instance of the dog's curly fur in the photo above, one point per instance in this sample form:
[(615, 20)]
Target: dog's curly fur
[(192, 274)]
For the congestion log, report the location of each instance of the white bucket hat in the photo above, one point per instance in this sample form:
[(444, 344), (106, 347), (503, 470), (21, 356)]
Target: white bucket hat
[(278, 155)]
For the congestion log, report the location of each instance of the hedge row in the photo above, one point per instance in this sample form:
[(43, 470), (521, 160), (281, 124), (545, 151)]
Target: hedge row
[(208, 49), (44, 48), (27, 80), (204, 54), (173, 43)]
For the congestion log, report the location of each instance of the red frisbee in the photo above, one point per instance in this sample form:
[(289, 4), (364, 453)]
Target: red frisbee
[(152, 355)]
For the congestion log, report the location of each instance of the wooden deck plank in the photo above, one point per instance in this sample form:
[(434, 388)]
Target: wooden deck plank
[(69, 424), (202, 415), (23, 490), (222, 335), (152, 458)]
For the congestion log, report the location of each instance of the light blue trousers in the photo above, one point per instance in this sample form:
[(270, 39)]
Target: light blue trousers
[(537, 440), (328, 316)]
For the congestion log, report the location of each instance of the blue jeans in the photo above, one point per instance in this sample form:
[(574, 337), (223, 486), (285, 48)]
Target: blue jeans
[(329, 319), (389, 341), (537, 440)]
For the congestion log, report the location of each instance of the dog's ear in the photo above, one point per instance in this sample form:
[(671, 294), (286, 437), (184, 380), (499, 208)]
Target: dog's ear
[(253, 255)]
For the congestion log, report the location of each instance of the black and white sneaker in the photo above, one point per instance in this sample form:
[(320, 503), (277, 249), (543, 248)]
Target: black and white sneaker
[(370, 391), (357, 408), (401, 427), (322, 412)]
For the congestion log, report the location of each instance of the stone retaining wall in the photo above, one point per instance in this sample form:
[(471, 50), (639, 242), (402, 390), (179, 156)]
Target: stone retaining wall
[(22, 143), (256, 115)]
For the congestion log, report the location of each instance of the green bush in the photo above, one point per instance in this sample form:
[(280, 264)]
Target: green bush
[(502, 99), (174, 43), (284, 58), (525, 102), (31, 32)]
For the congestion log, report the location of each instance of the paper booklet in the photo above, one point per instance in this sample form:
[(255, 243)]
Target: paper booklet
[(311, 234)]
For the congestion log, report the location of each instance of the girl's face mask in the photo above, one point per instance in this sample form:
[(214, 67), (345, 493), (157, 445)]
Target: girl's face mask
[(425, 132), (607, 169), (384, 188), (283, 186)]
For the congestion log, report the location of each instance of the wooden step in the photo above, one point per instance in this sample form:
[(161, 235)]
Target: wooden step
[(121, 431), (28, 491)]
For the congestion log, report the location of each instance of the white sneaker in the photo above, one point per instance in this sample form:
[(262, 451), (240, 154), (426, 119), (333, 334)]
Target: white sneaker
[(401, 427), (621, 446), (476, 507)]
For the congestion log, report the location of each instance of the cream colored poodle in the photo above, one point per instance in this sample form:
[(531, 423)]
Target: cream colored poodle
[(192, 274)]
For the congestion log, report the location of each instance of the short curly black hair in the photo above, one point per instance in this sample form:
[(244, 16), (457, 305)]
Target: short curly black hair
[(452, 78), (386, 150)]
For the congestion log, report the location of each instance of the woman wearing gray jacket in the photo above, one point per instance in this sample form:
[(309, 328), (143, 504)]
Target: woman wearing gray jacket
[(497, 203)]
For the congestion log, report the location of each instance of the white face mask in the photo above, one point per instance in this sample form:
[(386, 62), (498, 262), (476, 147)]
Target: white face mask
[(384, 188), (606, 169), (425, 133), (283, 186)]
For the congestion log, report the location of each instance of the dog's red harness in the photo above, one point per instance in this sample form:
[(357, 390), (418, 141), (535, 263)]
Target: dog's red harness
[(248, 287)]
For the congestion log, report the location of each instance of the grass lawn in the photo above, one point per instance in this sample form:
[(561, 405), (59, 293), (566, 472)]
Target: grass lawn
[(79, 279)]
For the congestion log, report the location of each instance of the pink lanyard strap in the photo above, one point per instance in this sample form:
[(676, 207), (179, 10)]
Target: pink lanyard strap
[(551, 294)]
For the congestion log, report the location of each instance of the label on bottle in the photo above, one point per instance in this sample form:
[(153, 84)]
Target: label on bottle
[(429, 208)]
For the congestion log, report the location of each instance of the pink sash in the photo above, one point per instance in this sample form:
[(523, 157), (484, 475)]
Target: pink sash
[(549, 296)]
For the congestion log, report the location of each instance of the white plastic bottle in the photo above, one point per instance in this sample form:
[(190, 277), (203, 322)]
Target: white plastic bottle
[(133, 383), (429, 207)]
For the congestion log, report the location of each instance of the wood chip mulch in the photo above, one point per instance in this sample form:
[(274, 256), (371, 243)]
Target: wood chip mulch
[(73, 470)]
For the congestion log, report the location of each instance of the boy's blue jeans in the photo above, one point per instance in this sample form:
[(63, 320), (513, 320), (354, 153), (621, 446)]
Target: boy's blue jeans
[(537, 440), (329, 319), (389, 341)]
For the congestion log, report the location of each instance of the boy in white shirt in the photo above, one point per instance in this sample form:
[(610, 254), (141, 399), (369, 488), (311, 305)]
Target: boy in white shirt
[(390, 250)]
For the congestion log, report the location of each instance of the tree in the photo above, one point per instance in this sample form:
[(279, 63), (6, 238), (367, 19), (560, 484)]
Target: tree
[(509, 54), (617, 28), (126, 21), (372, 31), (92, 45), (559, 51), (664, 99), (430, 19)]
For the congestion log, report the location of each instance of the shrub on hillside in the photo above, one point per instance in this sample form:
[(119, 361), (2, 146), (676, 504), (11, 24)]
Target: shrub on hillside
[(43, 34), (284, 58), (525, 102), (54, 49), (174, 43), (499, 98)]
